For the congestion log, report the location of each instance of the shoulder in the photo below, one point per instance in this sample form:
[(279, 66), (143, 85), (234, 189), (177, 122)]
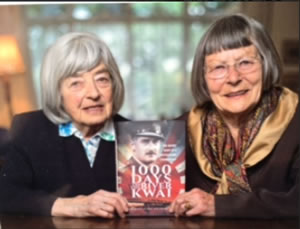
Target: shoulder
[(128, 164), (291, 108), (30, 117), (160, 162), (119, 118), (31, 123), (288, 108), (184, 116)]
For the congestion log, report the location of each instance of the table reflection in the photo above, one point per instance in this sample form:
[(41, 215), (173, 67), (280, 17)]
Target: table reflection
[(128, 223), (26, 222)]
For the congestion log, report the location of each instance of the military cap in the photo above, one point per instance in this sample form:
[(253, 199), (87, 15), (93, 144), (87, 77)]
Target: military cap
[(147, 129)]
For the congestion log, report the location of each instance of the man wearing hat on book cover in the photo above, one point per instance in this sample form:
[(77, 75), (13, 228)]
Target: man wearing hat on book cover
[(149, 177), (147, 139)]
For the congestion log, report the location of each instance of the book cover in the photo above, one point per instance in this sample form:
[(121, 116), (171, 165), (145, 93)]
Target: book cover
[(150, 158)]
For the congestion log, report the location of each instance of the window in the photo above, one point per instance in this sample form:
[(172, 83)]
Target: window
[(153, 43)]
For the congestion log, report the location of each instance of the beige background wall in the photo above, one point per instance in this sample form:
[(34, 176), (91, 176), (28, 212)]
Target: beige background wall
[(282, 21), (22, 93), (285, 26)]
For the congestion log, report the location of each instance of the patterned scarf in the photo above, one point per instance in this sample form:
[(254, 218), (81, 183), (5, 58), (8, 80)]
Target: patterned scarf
[(219, 147)]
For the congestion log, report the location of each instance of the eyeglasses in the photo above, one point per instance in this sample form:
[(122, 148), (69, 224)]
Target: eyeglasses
[(243, 66)]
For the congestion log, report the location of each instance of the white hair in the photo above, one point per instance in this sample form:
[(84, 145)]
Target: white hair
[(72, 53)]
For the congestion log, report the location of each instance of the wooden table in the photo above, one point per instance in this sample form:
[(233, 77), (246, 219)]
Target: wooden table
[(30, 222)]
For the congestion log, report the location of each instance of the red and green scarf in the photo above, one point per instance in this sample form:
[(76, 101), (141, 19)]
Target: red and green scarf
[(219, 147)]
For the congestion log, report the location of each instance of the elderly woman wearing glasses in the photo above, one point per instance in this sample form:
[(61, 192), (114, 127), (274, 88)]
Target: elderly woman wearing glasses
[(62, 159), (244, 131)]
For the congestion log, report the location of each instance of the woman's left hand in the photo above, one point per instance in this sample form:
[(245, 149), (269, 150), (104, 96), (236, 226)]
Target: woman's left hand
[(194, 202)]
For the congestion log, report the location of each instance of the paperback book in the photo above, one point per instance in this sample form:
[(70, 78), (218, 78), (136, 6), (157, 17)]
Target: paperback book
[(150, 158)]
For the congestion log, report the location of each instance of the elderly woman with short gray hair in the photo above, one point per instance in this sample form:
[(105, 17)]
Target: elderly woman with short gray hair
[(61, 160)]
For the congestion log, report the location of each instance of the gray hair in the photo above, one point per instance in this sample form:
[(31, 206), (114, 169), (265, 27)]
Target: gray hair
[(72, 53), (232, 32)]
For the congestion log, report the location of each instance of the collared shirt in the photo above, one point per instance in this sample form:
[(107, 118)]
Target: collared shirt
[(91, 146)]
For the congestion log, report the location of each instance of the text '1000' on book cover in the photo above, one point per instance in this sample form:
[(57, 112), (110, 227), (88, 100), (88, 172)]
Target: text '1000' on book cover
[(150, 164)]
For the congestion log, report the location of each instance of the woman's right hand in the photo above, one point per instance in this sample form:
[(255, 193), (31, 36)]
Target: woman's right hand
[(101, 203)]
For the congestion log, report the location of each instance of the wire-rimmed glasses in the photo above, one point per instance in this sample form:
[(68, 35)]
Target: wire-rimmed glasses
[(244, 66)]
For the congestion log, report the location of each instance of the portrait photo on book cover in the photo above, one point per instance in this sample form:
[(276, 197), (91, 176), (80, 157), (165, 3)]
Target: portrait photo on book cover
[(150, 164)]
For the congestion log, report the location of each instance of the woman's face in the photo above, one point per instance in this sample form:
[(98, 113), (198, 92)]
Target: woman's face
[(234, 79), (87, 97)]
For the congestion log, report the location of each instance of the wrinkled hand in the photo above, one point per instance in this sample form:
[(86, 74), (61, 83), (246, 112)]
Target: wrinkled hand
[(194, 202), (101, 203)]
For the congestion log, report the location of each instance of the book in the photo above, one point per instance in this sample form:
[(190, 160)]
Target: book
[(150, 157)]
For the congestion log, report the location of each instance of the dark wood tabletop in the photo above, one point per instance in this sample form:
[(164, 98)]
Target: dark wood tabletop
[(30, 222)]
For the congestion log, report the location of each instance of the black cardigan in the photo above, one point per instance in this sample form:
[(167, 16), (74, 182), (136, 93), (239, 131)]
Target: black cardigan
[(42, 166)]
